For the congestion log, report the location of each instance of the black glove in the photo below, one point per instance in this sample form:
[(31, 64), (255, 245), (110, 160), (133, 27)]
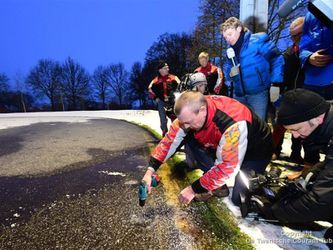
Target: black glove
[(315, 170)]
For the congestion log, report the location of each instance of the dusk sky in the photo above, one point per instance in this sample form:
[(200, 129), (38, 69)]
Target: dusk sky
[(92, 32)]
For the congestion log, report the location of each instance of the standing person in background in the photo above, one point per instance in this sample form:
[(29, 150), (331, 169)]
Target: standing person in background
[(316, 53), (259, 63), (162, 89), (293, 73), (293, 78), (214, 75), (198, 82)]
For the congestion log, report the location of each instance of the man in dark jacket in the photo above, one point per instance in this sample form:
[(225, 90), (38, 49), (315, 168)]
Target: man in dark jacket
[(293, 78), (307, 115), (293, 73), (224, 136), (162, 89)]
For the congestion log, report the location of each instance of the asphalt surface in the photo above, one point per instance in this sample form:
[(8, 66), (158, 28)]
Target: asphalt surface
[(42, 148), (74, 186)]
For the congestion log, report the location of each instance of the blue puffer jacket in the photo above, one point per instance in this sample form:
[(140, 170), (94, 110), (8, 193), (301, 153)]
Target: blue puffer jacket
[(261, 64), (316, 36)]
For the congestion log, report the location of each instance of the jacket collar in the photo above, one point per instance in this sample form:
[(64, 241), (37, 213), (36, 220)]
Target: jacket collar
[(210, 114), (163, 78), (323, 128), (208, 67), (247, 35), (238, 45)]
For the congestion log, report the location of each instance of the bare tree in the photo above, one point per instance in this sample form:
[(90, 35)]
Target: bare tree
[(277, 26), (206, 36), (44, 79), (4, 82), (75, 82), (100, 81), (173, 48), (20, 86), (117, 78), (138, 86)]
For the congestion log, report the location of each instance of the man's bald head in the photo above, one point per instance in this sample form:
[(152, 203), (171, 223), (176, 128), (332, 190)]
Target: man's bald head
[(192, 99), (191, 110)]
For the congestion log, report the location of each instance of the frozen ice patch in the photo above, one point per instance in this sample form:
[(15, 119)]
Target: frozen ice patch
[(111, 173), (131, 182), (140, 220)]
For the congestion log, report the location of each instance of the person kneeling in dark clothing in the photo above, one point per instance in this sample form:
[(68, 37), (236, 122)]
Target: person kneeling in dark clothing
[(307, 115)]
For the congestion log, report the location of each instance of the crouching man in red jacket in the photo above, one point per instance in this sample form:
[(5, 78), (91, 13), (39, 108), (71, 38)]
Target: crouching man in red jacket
[(222, 135)]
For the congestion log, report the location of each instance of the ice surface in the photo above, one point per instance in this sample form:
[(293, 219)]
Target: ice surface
[(262, 234)]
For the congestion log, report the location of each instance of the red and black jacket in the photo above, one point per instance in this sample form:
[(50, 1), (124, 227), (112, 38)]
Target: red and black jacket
[(214, 77), (163, 86), (231, 129)]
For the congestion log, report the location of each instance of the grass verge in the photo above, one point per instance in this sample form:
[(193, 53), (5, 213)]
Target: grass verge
[(217, 219)]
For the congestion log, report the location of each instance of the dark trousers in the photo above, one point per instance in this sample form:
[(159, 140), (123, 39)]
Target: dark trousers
[(324, 91), (163, 114), (199, 157), (163, 117)]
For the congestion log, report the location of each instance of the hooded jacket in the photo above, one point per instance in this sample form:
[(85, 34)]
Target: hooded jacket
[(261, 64)]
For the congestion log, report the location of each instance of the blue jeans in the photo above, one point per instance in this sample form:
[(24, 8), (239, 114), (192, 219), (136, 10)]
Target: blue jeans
[(204, 159), (162, 115), (257, 102)]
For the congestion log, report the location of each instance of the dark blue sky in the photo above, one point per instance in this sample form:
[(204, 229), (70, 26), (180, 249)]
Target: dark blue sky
[(93, 32)]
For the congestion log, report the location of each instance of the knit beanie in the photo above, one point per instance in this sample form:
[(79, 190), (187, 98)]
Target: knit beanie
[(196, 79), (300, 105), (161, 64)]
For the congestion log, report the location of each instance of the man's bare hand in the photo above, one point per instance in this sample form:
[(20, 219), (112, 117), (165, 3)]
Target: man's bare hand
[(295, 175), (147, 179), (186, 196), (234, 71), (319, 59)]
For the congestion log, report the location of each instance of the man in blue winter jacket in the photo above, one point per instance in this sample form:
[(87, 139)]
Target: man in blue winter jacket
[(316, 54), (258, 66)]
